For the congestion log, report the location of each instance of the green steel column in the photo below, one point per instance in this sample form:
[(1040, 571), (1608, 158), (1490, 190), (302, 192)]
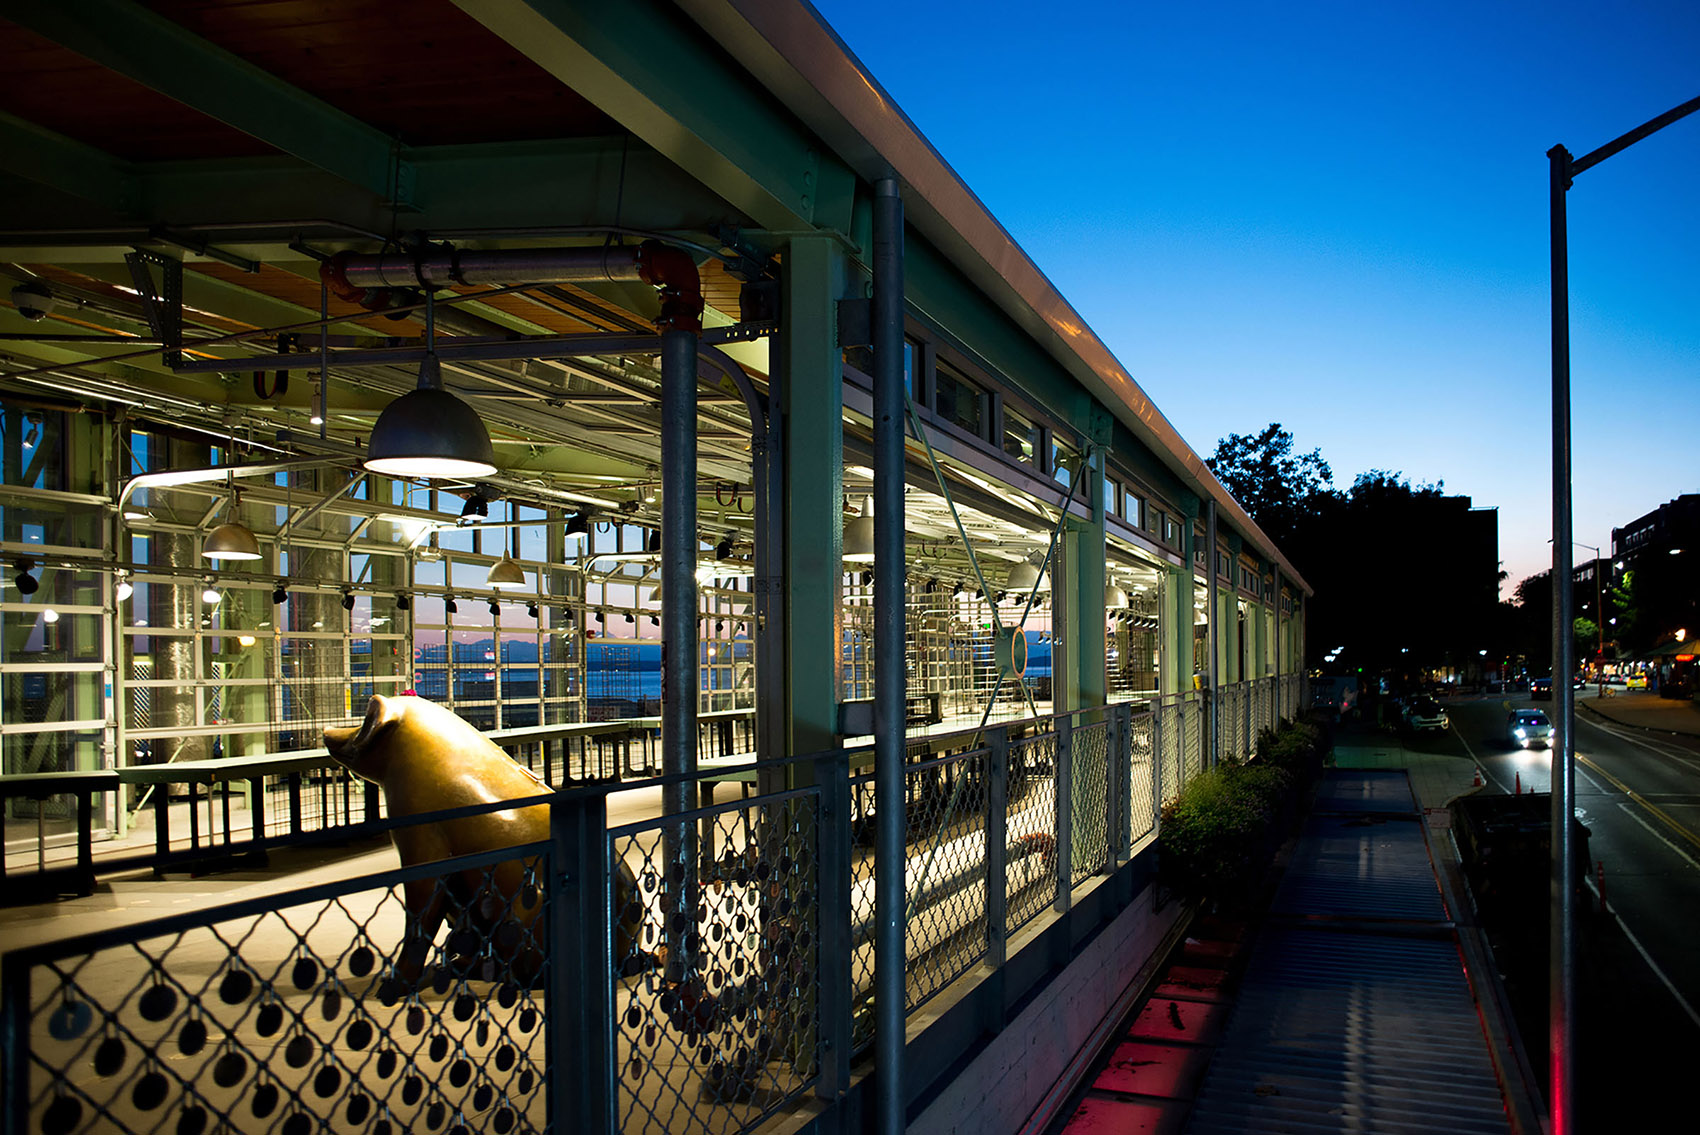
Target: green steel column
[(811, 364), (1182, 619), (1088, 621)]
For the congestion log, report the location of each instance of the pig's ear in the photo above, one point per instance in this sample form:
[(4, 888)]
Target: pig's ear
[(348, 743)]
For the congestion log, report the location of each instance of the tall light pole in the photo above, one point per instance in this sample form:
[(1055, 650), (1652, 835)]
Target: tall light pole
[(1561, 1023)]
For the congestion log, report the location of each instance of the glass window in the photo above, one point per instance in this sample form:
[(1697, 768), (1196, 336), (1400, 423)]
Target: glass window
[(959, 401), (1020, 438), (1065, 459), (1133, 509), (1111, 488)]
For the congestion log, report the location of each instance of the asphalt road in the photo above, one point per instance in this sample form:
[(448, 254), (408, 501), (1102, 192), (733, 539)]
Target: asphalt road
[(1638, 1023)]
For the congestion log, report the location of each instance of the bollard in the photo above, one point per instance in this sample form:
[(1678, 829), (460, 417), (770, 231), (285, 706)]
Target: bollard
[(1519, 782), (1600, 875)]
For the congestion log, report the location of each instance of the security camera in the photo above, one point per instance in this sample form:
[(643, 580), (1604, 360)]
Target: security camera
[(33, 300)]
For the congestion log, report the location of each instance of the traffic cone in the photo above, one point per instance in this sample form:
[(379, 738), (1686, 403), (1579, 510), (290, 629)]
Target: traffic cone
[(1519, 784), (1478, 783)]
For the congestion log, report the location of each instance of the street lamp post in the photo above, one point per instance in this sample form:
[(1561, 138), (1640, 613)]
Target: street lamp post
[(1561, 1024)]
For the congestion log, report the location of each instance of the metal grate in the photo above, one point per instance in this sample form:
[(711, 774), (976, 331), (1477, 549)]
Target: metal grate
[(718, 1013)]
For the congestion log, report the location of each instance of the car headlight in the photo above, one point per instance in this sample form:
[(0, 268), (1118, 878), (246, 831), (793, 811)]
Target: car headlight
[(1520, 734)]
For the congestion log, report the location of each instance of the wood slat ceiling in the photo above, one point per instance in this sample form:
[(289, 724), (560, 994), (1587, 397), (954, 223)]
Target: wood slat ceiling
[(61, 91), (422, 71)]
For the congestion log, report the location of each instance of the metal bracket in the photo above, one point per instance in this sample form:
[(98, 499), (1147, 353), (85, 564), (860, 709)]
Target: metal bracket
[(163, 306)]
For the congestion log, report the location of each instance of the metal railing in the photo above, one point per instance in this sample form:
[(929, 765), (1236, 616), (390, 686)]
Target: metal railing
[(693, 972)]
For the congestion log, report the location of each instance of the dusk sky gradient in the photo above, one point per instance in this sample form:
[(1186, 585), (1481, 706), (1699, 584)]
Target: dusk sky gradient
[(1334, 216)]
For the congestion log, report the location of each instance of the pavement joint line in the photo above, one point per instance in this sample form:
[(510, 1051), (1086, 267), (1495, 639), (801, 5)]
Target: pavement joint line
[(1663, 816)]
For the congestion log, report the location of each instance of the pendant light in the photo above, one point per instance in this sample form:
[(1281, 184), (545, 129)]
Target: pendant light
[(859, 535), (507, 575), (1025, 577), (231, 540), (1114, 597), (429, 432)]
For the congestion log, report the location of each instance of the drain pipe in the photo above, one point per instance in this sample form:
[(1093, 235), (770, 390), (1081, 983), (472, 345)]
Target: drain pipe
[(1212, 613), (890, 959)]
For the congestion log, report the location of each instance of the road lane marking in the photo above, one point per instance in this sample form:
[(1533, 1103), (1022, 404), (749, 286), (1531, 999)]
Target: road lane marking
[(1689, 859), (1654, 745), (1648, 958), (1651, 807), (1485, 771)]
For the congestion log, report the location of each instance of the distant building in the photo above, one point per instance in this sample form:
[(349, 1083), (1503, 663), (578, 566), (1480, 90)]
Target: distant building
[(1661, 548)]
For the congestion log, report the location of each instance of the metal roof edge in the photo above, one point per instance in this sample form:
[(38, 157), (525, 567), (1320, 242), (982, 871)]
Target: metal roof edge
[(789, 48)]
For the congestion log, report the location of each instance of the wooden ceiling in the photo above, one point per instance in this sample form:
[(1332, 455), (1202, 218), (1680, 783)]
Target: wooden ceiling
[(406, 69)]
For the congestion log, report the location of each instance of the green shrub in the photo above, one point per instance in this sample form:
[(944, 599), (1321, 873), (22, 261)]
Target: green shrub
[(1219, 835), (1219, 832)]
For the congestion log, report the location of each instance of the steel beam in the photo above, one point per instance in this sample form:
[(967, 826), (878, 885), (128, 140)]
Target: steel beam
[(142, 45), (66, 165), (647, 65)]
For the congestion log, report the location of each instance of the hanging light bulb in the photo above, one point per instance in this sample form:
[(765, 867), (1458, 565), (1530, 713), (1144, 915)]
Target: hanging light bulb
[(429, 432), (859, 535), (124, 590), (50, 616), (211, 594)]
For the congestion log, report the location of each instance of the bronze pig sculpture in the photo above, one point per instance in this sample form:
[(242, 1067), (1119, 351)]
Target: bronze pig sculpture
[(428, 759)]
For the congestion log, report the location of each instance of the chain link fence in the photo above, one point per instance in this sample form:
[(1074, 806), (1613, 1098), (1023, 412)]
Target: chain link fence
[(715, 981), (679, 974), (1089, 746), (342, 1007), (1142, 775)]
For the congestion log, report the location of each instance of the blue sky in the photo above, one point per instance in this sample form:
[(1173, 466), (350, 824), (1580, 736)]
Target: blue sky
[(1334, 216)]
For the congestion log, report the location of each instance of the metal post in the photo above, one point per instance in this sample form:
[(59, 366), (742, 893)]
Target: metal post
[(580, 1021), (1561, 990), (1212, 679), (832, 775), (679, 624), (1064, 769), (890, 812), (997, 846)]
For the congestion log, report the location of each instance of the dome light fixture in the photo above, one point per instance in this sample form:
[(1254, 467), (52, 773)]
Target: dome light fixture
[(859, 535), (429, 432), (231, 540), (211, 595), (1114, 597), (1025, 577), (507, 575), (402, 602), (450, 606), (124, 589)]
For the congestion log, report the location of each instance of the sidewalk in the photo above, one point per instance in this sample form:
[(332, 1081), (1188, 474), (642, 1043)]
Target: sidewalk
[(1348, 1006), (1643, 709)]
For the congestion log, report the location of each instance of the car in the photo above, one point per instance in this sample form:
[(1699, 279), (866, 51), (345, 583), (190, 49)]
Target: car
[(1424, 714), (1528, 727), (1635, 682), (1540, 689)]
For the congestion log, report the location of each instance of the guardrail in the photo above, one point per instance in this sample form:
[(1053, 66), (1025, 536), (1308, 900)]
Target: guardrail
[(692, 972), (239, 808)]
